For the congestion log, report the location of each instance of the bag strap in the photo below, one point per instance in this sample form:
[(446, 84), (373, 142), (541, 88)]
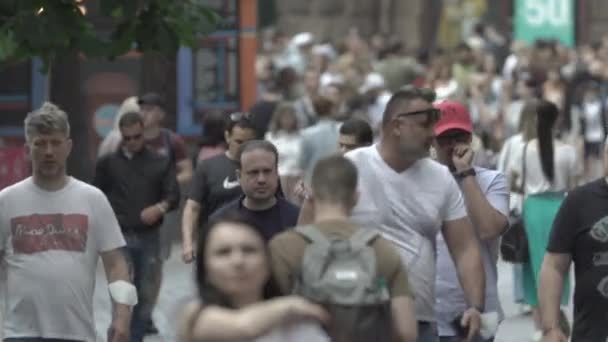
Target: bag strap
[(362, 237), (313, 234), (168, 144), (523, 180)]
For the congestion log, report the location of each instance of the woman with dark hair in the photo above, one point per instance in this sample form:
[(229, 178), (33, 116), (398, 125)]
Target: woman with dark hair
[(551, 164), (543, 171), (237, 296)]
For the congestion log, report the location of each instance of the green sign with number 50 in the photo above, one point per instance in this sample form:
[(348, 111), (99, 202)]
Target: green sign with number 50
[(545, 19)]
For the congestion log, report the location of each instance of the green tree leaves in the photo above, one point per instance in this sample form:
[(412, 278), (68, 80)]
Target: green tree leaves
[(47, 28)]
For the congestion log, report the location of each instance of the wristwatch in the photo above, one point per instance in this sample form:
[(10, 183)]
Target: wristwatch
[(463, 174), (478, 308)]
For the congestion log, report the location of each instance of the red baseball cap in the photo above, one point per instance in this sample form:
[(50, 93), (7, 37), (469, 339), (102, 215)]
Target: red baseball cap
[(454, 115)]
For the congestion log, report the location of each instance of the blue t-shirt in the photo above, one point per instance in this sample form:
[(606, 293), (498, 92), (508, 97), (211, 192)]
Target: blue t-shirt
[(271, 221)]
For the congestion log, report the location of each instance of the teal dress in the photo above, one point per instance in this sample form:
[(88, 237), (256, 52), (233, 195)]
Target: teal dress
[(539, 211)]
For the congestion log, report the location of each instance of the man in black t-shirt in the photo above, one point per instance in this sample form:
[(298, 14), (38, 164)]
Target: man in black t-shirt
[(215, 182), (259, 179), (580, 234)]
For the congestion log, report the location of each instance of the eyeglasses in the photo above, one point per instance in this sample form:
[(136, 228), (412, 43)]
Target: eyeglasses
[(433, 114), (131, 137), (237, 116), (456, 137)]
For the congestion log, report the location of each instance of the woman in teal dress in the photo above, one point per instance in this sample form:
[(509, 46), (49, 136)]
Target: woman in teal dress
[(548, 168)]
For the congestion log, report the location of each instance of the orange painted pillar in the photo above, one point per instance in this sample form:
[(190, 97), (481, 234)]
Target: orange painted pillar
[(247, 52)]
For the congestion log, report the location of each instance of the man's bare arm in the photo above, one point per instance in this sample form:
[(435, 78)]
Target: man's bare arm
[(184, 172), (551, 285), (116, 268), (404, 318), (189, 220)]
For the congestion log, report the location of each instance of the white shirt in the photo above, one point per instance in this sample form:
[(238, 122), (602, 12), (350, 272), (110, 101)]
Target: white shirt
[(408, 209), (52, 241), (592, 116), (565, 167), (289, 147)]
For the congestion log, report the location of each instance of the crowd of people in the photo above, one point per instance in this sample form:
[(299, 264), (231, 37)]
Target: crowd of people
[(363, 197)]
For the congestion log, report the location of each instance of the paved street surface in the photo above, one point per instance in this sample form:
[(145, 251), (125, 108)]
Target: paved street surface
[(178, 288)]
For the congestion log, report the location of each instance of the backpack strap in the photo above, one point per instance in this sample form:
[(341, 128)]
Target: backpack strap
[(313, 234), (362, 237), (168, 144)]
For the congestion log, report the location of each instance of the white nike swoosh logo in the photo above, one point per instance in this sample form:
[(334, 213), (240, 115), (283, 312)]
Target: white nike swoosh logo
[(231, 185)]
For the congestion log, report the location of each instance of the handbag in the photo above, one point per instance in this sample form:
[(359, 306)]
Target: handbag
[(514, 242)]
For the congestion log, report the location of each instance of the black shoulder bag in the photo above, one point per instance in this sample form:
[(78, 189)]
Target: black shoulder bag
[(514, 242)]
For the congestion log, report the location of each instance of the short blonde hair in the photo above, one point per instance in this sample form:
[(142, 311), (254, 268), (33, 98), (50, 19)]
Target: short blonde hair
[(46, 120)]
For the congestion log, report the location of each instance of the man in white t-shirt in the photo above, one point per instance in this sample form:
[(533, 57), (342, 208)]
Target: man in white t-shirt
[(53, 228), (410, 198), (486, 194)]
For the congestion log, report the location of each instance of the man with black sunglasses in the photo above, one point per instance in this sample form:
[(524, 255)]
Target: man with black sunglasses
[(410, 198), (142, 187), (486, 195)]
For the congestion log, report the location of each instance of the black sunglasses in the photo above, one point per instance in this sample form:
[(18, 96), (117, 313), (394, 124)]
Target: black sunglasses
[(432, 113), (238, 116), (131, 137), (457, 136)]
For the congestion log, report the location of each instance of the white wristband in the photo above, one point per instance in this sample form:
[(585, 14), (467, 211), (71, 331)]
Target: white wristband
[(123, 292), (489, 325)]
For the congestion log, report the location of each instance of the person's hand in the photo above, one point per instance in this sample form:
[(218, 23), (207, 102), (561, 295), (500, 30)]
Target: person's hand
[(119, 330), (300, 308), (471, 321), (555, 335), (462, 157), (151, 215), (302, 192), (187, 252)]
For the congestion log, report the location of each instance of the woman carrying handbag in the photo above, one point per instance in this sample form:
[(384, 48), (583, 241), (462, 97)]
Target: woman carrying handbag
[(549, 168)]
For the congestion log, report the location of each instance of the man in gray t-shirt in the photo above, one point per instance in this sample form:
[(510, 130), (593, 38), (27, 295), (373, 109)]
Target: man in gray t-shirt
[(486, 195), (53, 228)]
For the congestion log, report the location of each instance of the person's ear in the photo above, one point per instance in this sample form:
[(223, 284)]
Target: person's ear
[(28, 151), (395, 127), (227, 136), (70, 145)]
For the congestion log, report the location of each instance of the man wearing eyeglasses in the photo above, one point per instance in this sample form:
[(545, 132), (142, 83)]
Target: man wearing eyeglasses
[(486, 195), (409, 198), (142, 187)]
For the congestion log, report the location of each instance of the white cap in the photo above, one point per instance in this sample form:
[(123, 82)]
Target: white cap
[(324, 50), (327, 79), (373, 80), (302, 38)]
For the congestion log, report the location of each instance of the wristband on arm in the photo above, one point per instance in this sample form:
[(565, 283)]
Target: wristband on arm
[(123, 292)]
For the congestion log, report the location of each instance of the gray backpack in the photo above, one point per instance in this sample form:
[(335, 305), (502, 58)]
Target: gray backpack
[(341, 275)]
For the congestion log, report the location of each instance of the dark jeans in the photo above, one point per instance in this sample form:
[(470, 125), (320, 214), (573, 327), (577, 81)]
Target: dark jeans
[(143, 254), (427, 332), (458, 339), (36, 339)]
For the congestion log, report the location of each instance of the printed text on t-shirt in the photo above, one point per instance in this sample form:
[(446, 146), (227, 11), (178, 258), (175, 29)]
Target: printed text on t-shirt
[(43, 232)]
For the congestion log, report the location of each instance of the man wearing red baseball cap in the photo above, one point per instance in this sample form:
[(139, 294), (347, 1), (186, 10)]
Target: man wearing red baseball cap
[(486, 195)]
